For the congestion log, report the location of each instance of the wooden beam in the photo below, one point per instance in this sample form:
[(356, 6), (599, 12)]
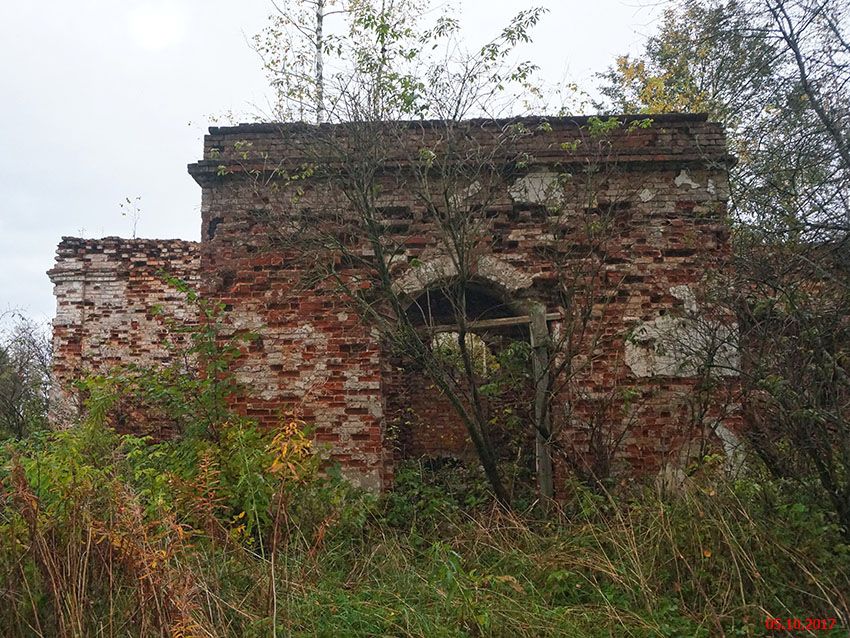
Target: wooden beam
[(504, 322), (540, 364)]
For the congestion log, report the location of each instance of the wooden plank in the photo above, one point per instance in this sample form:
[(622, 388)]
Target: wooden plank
[(540, 342), (504, 322)]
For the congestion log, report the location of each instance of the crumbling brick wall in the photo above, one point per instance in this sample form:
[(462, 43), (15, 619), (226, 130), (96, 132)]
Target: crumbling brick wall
[(658, 201), (315, 359), (107, 292)]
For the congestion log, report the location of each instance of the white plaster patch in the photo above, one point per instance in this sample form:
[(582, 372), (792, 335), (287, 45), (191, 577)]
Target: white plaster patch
[(686, 296), (684, 179), (466, 194), (541, 187), (673, 474), (425, 275), (367, 479), (646, 195), (681, 347), (733, 447), (502, 273)]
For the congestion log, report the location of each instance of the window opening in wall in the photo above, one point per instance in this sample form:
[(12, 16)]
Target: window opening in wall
[(446, 347)]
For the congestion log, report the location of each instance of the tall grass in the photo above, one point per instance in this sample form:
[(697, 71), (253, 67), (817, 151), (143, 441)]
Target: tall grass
[(102, 535)]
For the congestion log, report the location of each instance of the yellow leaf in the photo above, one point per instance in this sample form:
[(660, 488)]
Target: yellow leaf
[(510, 580)]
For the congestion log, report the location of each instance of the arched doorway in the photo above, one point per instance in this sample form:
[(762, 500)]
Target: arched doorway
[(480, 322)]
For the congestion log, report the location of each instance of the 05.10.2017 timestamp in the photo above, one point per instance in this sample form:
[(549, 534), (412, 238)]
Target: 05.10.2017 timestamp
[(799, 624)]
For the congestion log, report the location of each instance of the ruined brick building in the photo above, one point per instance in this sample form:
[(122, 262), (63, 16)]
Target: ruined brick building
[(655, 216)]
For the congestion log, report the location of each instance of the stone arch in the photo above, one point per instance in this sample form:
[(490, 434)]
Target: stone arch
[(490, 271)]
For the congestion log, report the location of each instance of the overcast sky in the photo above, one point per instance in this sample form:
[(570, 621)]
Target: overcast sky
[(104, 100)]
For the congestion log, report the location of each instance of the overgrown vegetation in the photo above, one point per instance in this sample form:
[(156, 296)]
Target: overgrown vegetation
[(776, 73), (105, 535), (25, 357), (228, 530)]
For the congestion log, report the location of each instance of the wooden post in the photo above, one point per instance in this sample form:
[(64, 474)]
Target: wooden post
[(539, 333)]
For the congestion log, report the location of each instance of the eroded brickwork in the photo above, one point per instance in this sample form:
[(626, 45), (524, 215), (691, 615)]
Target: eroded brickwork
[(633, 247), (107, 291)]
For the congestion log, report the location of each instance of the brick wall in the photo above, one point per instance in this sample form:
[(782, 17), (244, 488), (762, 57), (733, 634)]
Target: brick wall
[(633, 241), (106, 291)]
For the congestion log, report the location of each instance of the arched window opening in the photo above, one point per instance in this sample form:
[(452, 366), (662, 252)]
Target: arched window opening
[(500, 390), (484, 312)]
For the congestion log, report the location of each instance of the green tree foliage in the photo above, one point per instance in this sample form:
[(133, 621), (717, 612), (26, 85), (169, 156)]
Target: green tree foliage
[(777, 73), (313, 50), (25, 359), (704, 58), (324, 58)]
